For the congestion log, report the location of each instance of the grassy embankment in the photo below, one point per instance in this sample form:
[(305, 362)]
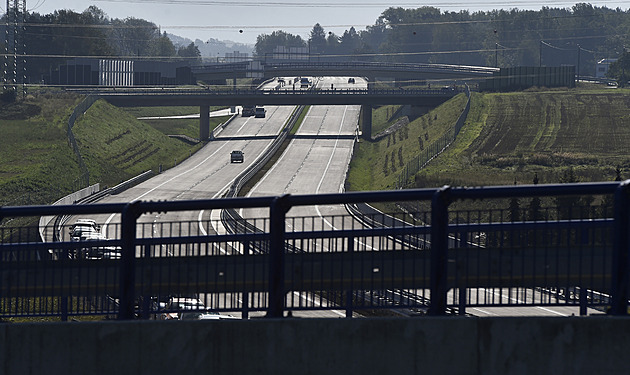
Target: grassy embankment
[(376, 165), (37, 165), (509, 138)]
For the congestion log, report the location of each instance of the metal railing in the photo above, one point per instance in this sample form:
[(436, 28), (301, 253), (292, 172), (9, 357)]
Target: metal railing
[(453, 250)]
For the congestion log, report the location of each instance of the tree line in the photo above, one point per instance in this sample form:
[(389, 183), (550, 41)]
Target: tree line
[(50, 39), (580, 36)]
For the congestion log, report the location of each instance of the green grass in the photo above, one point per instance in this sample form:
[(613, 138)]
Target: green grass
[(383, 117), (37, 165), (116, 146), (376, 165), (508, 138), (511, 137)]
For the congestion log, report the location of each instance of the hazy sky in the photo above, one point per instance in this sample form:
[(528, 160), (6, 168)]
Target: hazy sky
[(224, 19)]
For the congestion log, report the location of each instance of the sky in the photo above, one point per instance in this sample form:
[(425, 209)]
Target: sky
[(243, 20)]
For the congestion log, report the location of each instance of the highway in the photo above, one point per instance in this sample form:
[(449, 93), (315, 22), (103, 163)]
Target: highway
[(316, 161), (206, 174)]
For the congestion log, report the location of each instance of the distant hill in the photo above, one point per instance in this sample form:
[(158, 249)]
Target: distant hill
[(213, 47)]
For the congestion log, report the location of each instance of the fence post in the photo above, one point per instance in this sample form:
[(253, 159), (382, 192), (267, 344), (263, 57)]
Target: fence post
[(439, 250), (129, 217), (245, 307), (277, 216), (350, 290), (619, 286)]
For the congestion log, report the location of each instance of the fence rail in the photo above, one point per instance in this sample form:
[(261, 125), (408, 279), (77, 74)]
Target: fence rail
[(443, 257)]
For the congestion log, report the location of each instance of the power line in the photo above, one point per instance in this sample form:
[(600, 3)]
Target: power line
[(358, 4)]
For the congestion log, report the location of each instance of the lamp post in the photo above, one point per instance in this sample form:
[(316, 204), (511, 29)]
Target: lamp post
[(578, 64), (496, 49)]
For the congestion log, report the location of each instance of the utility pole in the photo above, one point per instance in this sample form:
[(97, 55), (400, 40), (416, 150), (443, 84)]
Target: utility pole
[(15, 56), (496, 49), (578, 64)]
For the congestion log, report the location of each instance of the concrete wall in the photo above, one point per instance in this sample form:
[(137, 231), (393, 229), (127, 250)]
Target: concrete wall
[(575, 345)]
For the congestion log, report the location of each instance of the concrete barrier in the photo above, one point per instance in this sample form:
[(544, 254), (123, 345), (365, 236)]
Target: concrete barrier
[(426, 345), (68, 199)]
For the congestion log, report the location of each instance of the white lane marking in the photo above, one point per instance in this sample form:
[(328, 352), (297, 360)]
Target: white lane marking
[(278, 162), (309, 299), (109, 219), (483, 311), (523, 302)]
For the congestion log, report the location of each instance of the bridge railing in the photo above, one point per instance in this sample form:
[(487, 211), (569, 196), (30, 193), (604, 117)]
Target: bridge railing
[(454, 250)]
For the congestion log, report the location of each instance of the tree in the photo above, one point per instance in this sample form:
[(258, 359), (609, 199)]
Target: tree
[(332, 44), (266, 43), (133, 36), (350, 41), (163, 46), (317, 39), (190, 52), (620, 70)]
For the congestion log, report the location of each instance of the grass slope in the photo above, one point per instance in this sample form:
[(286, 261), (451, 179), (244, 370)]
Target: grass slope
[(509, 138), (116, 146), (376, 165), (37, 165)]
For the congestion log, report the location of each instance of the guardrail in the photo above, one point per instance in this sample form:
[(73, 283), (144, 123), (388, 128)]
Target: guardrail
[(445, 256), (122, 92), (324, 65)]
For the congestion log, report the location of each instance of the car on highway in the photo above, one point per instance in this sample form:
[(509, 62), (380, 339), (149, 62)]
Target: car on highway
[(260, 112), (305, 82), (237, 156), (79, 231), (88, 250), (248, 110), (177, 305), (97, 252), (87, 222), (196, 314)]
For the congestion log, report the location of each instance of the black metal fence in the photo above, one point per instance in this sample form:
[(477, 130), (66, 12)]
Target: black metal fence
[(453, 251)]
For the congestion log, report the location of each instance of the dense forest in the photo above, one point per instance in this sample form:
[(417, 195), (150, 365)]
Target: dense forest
[(578, 36)]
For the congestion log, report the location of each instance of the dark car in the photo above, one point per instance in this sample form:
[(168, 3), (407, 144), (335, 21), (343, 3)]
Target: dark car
[(248, 110), (236, 156)]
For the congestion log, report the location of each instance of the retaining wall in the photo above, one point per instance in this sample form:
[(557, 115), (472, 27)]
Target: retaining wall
[(426, 345)]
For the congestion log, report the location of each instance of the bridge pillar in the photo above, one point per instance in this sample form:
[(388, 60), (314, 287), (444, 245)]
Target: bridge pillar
[(366, 122), (204, 123)]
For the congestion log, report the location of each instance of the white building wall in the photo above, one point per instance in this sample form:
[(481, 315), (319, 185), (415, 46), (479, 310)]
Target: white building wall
[(117, 73)]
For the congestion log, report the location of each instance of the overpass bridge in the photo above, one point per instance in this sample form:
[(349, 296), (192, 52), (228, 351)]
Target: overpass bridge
[(367, 98), (370, 70)]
